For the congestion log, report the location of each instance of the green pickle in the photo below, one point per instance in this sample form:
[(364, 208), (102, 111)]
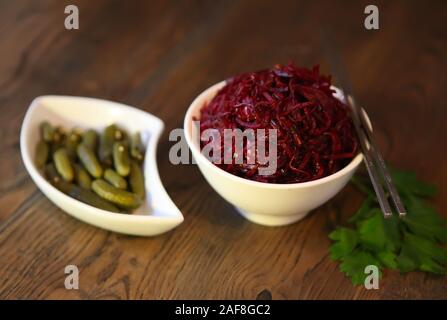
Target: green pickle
[(82, 177), (117, 196), (47, 131), (89, 160), (63, 164), (61, 130), (51, 173), (119, 134), (121, 158), (106, 145), (42, 152), (136, 150), (77, 192), (55, 179), (90, 139), (58, 136), (92, 167), (78, 131), (115, 179), (136, 179), (58, 141), (91, 198), (72, 141)]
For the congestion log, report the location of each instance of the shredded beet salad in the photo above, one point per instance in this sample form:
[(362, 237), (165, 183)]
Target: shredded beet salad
[(315, 133)]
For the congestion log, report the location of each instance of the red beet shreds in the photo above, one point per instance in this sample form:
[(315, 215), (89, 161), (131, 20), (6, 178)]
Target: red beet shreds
[(315, 134)]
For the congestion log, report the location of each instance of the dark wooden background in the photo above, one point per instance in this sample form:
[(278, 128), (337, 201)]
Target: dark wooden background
[(158, 56)]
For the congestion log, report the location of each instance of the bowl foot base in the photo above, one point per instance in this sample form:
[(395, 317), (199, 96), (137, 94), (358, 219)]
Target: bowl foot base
[(271, 220)]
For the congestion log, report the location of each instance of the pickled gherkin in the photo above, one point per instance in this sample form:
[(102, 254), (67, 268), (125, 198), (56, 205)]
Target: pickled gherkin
[(72, 141), (106, 145), (91, 198), (89, 160), (101, 169), (82, 177), (115, 179), (42, 152), (90, 139), (117, 196), (136, 150), (59, 135), (119, 134), (51, 173), (136, 179), (47, 131), (63, 164), (121, 158)]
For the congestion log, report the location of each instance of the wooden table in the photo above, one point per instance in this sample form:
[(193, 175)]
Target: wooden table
[(158, 56)]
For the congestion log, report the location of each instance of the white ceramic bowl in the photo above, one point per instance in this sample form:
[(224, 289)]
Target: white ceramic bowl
[(157, 215), (265, 203)]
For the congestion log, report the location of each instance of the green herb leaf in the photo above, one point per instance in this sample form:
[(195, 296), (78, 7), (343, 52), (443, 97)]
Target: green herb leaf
[(424, 221), (346, 242), (354, 265), (408, 184), (388, 259), (408, 244), (405, 262), (377, 234), (372, 232)]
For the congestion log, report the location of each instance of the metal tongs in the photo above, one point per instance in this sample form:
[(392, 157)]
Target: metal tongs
[(374, 161)]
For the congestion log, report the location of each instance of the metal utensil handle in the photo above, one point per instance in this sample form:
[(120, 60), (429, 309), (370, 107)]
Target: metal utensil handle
[(369, 160), (382, 166)]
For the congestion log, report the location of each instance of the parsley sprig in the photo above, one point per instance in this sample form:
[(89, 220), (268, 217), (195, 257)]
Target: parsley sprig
[(409, 244)]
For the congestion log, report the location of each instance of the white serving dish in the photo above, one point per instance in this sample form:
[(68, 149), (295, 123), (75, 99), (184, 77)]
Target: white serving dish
[(265, 203), (157, 215)]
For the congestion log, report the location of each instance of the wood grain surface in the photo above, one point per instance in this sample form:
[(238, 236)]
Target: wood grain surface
[(157, 56)]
